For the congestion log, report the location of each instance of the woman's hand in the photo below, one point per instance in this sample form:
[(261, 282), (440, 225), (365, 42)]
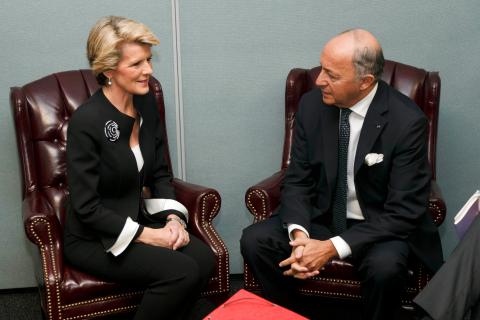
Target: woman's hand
[(157, 237), (172, 236), (178, 232)]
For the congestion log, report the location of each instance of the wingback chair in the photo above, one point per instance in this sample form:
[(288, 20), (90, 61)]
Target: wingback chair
[(41, 111), (338, 279)]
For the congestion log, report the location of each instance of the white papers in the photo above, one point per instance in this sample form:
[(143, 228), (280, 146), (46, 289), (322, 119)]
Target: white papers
[(464, 218)]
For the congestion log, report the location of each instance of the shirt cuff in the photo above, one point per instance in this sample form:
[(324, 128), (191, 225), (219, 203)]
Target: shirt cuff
[(155, 205), (138, 233), (292, 226), (126, 236), (342, 247)]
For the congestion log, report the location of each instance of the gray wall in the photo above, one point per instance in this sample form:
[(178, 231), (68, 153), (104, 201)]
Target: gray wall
[(235, 57)]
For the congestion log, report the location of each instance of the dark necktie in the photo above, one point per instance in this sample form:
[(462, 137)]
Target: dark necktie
[(339, 222)]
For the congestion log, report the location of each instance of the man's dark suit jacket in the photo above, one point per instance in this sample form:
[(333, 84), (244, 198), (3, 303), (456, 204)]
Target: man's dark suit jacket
[(393, 194), (103, 179)]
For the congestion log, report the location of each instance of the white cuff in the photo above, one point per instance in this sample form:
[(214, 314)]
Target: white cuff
[(342, 247), (292, 226), (156, 205), (128, 232)]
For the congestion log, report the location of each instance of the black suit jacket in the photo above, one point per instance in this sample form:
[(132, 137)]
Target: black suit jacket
[(393, 194), (103, 180)]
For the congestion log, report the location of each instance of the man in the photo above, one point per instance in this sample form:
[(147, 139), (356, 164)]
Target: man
[(357, 185)]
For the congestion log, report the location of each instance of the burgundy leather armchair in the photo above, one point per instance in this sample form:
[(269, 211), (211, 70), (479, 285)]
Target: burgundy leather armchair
[(41, 111), (338, 279)]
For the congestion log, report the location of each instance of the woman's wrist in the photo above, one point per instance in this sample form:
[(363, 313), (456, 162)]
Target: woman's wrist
[(173, 217), (144, 234)]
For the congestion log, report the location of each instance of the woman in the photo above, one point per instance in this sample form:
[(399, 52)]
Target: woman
[(115, 149)]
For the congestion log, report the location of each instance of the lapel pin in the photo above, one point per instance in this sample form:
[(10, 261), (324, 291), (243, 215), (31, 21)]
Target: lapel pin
[(379, 126), (111, 131)]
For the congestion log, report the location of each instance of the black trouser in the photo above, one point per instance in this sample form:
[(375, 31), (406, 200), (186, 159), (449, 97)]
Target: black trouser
[(173, 279), (454, 291), (382, 267)]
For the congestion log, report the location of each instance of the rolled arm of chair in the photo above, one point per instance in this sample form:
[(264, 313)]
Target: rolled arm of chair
[(203, 205), (264, 197), (436, 204), (43, 229)]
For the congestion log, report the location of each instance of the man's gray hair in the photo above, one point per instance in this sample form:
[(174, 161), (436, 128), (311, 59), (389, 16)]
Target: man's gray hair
[(368, 61)]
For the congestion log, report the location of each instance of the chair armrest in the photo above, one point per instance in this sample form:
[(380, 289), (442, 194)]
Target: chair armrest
[(436, 204), (264, 197), (203, 205), (43, 229)]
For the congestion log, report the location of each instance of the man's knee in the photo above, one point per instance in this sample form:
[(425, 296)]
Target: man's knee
[(265, 242), (250, 240), (389, 270)]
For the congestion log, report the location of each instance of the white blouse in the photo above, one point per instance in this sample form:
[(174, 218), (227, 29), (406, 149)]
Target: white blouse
[(131, 227)]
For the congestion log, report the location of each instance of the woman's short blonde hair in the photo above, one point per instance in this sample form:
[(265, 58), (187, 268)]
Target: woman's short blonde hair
[(105, 39)]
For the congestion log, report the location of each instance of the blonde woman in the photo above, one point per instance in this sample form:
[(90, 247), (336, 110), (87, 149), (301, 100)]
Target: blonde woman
[(115, 148)]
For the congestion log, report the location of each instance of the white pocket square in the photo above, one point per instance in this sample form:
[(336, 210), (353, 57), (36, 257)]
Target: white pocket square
[(373, 158)]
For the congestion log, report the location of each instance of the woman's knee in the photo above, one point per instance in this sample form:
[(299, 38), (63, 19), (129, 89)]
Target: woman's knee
[(192, 277), (203, 255), (207, 263), (186, 276)]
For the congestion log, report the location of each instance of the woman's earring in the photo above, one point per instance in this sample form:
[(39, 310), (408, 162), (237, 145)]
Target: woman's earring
[(109, 82)]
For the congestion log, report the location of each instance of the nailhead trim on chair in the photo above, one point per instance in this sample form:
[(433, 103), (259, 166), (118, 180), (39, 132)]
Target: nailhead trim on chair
[(102, 313), (42, 246), (258, 216), (31, 230), (207, 225), (112, 297), (435, 208), (350, 282), (251, 282), (328, 293)]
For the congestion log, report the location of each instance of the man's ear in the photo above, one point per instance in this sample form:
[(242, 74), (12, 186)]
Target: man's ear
[(367, 81)]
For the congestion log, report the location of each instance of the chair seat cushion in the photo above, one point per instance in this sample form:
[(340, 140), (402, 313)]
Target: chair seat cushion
[(78, 286)]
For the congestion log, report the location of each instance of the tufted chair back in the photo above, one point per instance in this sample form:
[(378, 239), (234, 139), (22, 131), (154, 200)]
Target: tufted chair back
[(338, 278), (41, 112)]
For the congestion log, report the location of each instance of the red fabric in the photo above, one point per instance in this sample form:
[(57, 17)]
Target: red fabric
[(245, 305)]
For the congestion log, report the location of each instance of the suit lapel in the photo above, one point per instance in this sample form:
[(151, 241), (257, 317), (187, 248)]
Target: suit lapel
[(373, 125), (330, 118)]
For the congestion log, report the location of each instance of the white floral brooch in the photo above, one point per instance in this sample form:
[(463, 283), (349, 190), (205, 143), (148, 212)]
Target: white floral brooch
[(111, 130), (373, 158)]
